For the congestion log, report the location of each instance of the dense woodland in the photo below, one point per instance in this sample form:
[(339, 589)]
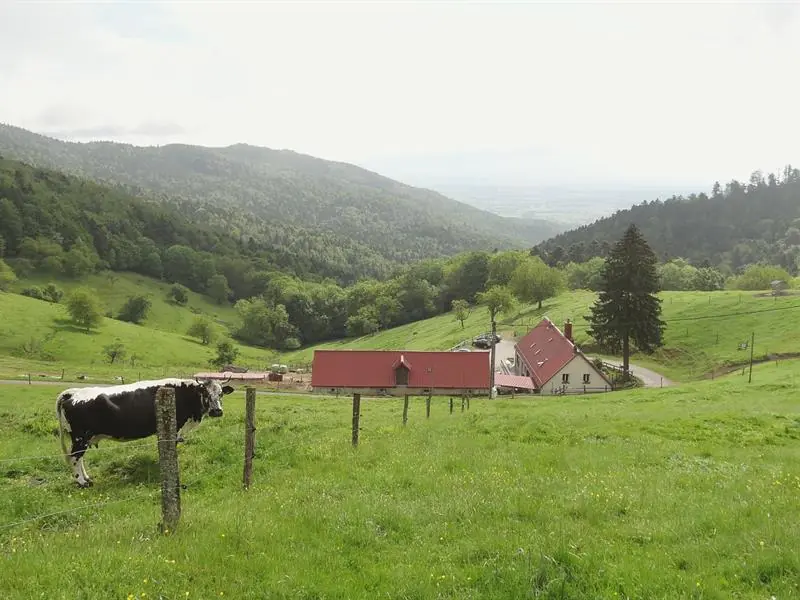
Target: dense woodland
[(319, 218), (738, 225)]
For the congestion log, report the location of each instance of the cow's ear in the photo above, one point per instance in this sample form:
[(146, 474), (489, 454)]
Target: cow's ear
[(226, 389)]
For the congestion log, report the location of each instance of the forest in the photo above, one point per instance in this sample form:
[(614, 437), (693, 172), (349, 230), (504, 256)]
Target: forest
[(734, 226), (317, 217)]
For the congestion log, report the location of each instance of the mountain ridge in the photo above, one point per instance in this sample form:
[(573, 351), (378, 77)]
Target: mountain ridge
[(265, 189)]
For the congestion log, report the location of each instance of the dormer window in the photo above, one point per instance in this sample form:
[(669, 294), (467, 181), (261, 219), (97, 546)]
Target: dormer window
[(401, 371)]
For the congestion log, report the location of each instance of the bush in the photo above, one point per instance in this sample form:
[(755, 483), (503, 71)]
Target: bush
[(53, 293), (135, 309), (33, 292), (84, 309), (179, 294), (291, 343), (202, 329), (226, 354)]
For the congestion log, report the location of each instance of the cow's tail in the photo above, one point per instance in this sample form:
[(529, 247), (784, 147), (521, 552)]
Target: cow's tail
[(62, 425)]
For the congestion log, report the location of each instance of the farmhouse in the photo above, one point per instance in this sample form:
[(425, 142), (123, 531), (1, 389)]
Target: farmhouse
[(400, 373), (553, 364)]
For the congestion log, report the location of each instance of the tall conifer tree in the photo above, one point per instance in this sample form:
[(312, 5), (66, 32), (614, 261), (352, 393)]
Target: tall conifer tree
[(627, 307)]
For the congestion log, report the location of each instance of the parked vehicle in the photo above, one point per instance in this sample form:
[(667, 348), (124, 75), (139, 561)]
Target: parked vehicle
[(485, 340)]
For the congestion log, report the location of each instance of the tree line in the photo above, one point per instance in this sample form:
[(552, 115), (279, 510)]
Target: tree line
[(732, 227)]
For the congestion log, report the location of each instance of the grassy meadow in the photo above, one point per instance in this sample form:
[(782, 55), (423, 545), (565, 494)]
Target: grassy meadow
[(37, 337), (688, 492), (703, 333), (704, 330)]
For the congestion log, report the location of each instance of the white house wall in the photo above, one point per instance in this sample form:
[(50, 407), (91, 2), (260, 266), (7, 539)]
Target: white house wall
[(576, 368)]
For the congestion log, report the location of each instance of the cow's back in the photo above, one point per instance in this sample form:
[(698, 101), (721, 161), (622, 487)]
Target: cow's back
[(123, 415)]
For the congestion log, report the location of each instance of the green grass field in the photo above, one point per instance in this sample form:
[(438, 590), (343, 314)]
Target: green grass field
[(113, 289), (688, 492), (37, 337), (704, 330), (444, 332)]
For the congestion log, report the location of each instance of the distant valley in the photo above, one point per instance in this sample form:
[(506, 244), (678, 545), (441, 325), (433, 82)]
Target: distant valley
[(564, 206)]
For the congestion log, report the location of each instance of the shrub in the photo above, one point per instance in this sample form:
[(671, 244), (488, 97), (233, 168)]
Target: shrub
[(135, 309)]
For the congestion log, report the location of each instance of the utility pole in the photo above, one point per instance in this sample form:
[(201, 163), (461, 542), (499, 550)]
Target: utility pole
[(752, 341), (493, 354)]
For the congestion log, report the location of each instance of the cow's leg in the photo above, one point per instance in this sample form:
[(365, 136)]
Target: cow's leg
[(79, 446)]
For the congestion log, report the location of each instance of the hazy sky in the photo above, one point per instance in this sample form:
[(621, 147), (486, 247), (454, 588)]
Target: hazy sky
[(626, 91)]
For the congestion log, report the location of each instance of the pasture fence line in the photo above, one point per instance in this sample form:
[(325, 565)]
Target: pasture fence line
[(166, 423), (167, 438), (249, 435)]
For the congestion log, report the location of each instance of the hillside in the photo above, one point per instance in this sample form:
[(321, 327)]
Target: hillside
[(703, 333), (278, 196), (733, 227), (688, 492), (37, 336)]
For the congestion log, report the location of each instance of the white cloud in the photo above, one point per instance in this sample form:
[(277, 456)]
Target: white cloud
[(637, 91)]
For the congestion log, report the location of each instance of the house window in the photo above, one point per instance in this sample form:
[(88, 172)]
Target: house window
[(401, 376), (565, 378), (586, 378)]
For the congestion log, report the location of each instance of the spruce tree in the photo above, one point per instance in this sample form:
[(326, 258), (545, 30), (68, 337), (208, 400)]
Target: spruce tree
[(627, 307)]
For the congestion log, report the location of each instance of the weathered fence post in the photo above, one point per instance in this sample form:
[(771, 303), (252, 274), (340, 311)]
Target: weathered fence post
[(463, 403), (451, 406), (29, 379), (428, 407), (168, 458), (405, 410), (467, 402), (249, 435), (356, 415)]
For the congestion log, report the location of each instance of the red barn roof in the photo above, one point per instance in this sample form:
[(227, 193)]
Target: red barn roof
[(546, 351), (375, 369)]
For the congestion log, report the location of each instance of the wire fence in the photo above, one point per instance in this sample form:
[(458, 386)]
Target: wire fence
[(128, 448)]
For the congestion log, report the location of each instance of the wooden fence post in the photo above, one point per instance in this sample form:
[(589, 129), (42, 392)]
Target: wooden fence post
[(405, 410), (356, 415), (249, 435), (29, 379), (451, 406), (428, 407), (168, 459), (467, 402), (463, 403)]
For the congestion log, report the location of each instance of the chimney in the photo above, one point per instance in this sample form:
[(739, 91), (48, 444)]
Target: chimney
[(568, 330)]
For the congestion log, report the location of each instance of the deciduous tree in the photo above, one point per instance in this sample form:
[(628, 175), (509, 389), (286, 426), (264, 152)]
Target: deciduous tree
[(461, 311), (84, 309)]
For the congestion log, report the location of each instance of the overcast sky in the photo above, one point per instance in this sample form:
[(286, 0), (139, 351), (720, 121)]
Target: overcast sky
[(545, 92)]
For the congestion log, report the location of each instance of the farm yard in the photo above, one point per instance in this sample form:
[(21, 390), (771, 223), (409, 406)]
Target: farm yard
[(687, 492)]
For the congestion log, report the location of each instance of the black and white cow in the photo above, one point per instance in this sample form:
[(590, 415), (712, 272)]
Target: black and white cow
[(128, 412)]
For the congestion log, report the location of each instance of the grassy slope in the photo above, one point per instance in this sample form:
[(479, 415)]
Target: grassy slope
[(163, 315), (443, 332), (703, 329), (160, 343), (676, 493)]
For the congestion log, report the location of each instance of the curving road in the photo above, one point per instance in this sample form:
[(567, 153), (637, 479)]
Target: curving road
[(650, 378)]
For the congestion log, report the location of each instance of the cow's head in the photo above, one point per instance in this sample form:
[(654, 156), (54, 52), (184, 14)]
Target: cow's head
[(212, 397)]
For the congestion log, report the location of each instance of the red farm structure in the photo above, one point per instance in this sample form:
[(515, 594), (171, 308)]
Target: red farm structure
[(401, 373)]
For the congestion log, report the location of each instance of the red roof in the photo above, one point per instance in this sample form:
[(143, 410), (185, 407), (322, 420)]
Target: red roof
[(545, 350), (376, 369), (515, 381)]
